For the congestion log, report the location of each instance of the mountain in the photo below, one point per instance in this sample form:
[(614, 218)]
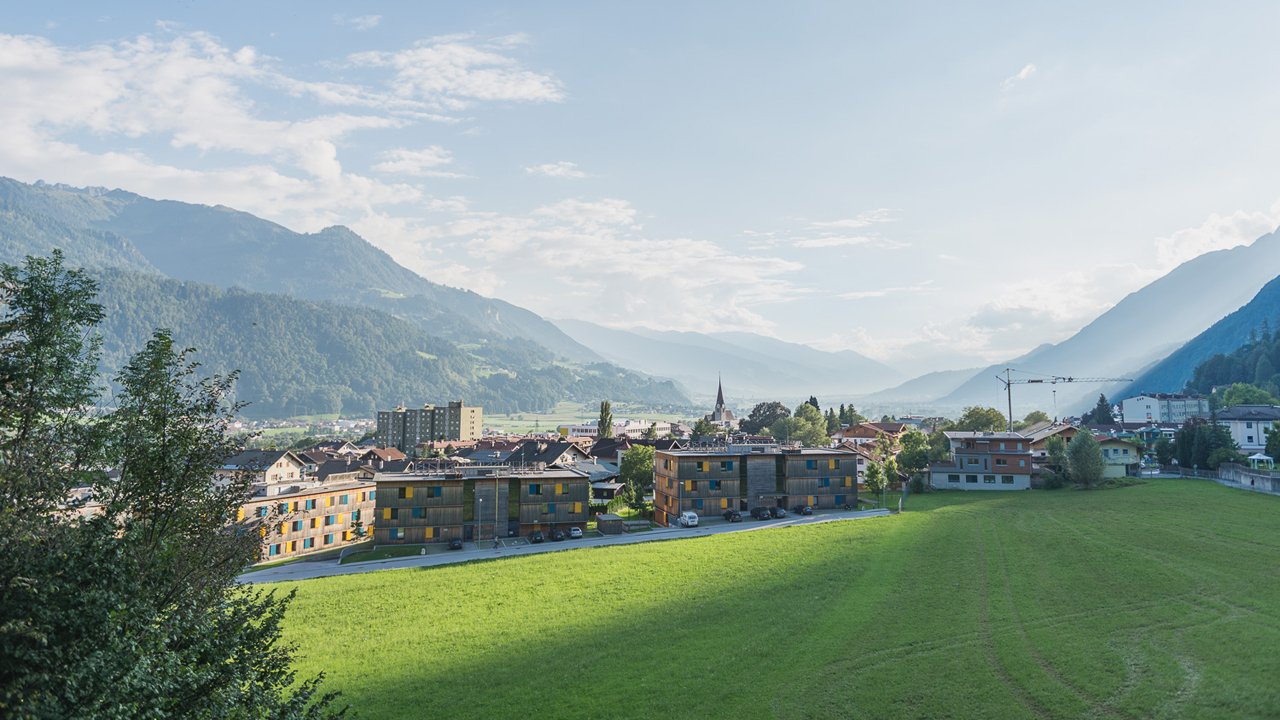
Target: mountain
[(752, 366), (362, 331), (1140, 330), (1224, 338), (232, 249), (924, 388)]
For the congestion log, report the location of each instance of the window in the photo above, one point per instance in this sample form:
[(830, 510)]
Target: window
[(297, 525), (971, 478), (1248, 426), (293, 546), (1001, 462), (666, 463), (810, 464), (310, 504), (971, 461), (535, 489), (726, 465), (824, 482), (549, 509), (397, 533), (313, 523), (355, 516), (435, 491), (989, 479), (690, 485), (328, 502), (953, 478), (670, 483), (577, 507), (390, 514), (262, 511), (284, 508), (1022, 463), (1001, 444), (273, 550), (559, 488), (724, 503), (697, 503), (308, 543), (839, 500), (1249, 439), (1006, 479), (328, 539), (702, 466), (343, 499), (833, 463), (714, 484), (848, 481), (430, 533), (419, 513), (403, 493)]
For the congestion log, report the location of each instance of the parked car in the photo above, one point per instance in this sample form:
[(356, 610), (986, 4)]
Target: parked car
[(804, 510), (760, 513), (455, 544), (575, 532), (688, 518), (732, 515), (777, 512), (536, 536), (557, 535)]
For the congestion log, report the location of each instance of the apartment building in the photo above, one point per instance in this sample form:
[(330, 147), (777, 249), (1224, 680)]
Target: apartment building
[(712, 480), (477, 503), (405, 429), (297, 520), (984, 461), (1163, 408), (1249, 424)]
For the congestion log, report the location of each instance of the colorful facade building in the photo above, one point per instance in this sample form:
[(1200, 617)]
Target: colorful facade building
[(984, 461)]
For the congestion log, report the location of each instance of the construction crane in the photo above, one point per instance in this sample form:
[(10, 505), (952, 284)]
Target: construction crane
[(1009, 382)]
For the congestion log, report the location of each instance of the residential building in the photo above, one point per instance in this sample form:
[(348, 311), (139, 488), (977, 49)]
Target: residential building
[(868, 432), (272, 468), (1038, 436), (984, 461), (1119, 457), (1163, 408), (406, 429), (298, 520), (546, 453), (1249, 424), (477, 502), (740, 477)]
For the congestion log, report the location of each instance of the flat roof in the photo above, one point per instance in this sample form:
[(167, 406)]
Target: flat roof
[(985, 436), (552, 474), (745, 450), (320, 489)]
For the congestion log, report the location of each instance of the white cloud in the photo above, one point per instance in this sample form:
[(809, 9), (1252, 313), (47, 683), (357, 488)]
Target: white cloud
[(562, 169), (418, 163), (919, 287), (452, 73), (861, 220), (1215, 233), (1025, 73), (361, 22)]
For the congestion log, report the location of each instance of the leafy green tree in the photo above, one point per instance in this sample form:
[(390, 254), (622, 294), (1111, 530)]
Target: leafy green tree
[(604, 425), (807, 427), (850, 416), (981, 419), (705, 428), (915, 456), (874, 477), (1245, 394), (636, 474), (762, 416), (1033, 418), (133, 611), (1084, 460), (1056, 465), (833, 421), (814, 402), (1221, 455), (651, 432), (1164, 451)]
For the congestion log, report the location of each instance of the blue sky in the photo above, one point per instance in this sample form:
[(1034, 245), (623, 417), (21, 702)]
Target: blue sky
[(930, 185)]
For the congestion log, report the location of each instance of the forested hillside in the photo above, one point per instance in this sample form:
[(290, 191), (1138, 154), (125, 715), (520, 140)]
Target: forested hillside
[(1230, 351), (298, 357)]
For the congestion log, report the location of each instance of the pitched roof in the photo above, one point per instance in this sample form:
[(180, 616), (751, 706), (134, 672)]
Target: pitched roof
[(541, 451), (258, 460), (1250, 412)]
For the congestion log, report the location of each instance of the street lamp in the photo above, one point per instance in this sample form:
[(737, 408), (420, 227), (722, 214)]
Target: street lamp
[(479, 515)]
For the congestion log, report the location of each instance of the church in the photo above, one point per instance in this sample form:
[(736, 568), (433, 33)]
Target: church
[(721, 416)]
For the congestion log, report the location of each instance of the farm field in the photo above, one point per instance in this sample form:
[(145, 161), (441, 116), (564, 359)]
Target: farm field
[(1155, 601)]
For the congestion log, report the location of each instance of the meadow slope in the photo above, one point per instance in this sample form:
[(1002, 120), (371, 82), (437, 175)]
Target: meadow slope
[(1155, 601)]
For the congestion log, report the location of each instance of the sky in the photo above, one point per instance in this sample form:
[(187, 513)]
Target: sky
[(931, 185)]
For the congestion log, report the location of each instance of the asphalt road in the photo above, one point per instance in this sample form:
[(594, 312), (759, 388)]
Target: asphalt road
[(303, 570)]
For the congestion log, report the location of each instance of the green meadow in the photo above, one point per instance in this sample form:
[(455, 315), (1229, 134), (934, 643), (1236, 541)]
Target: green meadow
[(1160, 600)]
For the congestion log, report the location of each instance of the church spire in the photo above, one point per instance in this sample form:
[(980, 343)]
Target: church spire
[(719, 393)]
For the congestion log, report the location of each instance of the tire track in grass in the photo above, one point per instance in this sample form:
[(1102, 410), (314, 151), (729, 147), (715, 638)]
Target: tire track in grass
[(1097, 706), (1029, 702)]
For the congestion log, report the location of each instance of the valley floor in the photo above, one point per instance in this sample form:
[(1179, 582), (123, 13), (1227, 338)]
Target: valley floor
[(1159, 600)]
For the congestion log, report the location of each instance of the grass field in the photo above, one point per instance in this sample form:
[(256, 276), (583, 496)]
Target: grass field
[(1155, 601)]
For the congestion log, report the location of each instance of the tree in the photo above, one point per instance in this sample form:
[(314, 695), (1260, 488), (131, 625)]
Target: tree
[(651, 432), (133, 611), (1056, 463), (1245, 394), (604, 425), (914, 457), (1084, 459), (874, 478), (981, 419), (1164, 451), (807, 427), (1273, 442), (636, 474), (705, 428), (1033, 418), (1101, 413), (1221, 455), (762, 416), (833, 421), (814, 402)]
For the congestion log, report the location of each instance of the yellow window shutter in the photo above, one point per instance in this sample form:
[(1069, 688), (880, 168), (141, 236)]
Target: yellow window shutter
[(559, 488), (813, 500), (724, 503), (848, 481), (431, 532), (386, 513), (408, 491), (688, 486), (328, 502), (240, 514), (282, 527), (577, 507), (831, 463)]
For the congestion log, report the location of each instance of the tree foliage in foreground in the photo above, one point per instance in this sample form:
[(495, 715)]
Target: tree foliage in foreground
[(132, 611), (1084, 459)]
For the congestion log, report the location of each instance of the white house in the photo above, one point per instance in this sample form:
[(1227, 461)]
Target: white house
[(1164, 408), (1249, 424)]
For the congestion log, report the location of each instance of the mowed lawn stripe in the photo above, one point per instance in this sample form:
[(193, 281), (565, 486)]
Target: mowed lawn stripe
[(1159, 600)]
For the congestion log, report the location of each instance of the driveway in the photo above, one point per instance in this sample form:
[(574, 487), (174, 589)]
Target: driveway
[(326, 568)]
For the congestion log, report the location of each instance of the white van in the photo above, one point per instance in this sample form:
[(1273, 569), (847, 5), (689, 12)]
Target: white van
[(688, 518)]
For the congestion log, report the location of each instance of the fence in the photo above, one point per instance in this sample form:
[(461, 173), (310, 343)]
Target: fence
[(1237, 476)]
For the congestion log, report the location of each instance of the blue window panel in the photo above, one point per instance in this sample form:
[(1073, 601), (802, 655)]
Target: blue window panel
[(328, 539), (284, 507), (551, 508), (297, 525), (308, 543), (839, 499), (810, 464), (824, 482), (715, 484), (355, 516), (343, 499), (262, 511), (698, 503), (535, 489), (419, 513), (437, 491), (273, 550)]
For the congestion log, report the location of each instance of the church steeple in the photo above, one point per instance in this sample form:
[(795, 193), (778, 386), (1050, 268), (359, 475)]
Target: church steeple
[(719, 395)]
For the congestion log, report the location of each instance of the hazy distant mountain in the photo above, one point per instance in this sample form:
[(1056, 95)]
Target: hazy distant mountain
[(1172, 373), (927, 387), (751, 365), (1141, 329), (478, 345), (229, 248)]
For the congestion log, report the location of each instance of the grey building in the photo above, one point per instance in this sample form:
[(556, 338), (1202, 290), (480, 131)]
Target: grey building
[(1164, 408), (405, 429)]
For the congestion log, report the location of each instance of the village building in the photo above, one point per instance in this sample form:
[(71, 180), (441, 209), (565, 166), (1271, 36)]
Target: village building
[(984, 461)]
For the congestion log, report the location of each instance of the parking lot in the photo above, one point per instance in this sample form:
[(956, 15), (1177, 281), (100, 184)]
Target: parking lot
[(513, 547)]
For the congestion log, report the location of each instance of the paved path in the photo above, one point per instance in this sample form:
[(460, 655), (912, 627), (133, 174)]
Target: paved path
[(325, 568)]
